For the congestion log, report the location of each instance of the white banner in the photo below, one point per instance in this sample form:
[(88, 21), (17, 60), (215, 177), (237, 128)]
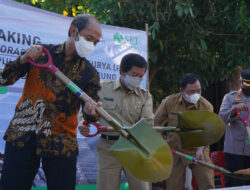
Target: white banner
[(22, 26)]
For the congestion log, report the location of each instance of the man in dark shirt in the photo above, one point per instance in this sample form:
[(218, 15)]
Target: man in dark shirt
[(45, 120)]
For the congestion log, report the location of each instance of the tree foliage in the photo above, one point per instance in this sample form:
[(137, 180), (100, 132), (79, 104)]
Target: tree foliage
[(209, 38)]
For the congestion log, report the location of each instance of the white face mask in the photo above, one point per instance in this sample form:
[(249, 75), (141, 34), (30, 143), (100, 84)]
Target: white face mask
[(132, 82), (84, 47), (193, 99)]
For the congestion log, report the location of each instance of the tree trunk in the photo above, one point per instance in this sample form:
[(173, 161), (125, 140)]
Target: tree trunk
[(234, 79), (153, 70)]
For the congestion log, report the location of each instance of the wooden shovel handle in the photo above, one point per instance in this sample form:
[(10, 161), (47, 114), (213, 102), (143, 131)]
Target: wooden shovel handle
[(100, 128), (194, 160)]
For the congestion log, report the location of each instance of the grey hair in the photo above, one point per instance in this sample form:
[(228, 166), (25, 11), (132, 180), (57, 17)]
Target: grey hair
[(81, 22)]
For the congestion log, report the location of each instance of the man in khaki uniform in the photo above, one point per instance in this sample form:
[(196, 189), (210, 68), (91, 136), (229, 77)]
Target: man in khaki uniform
[(189, 98), (124, 100)]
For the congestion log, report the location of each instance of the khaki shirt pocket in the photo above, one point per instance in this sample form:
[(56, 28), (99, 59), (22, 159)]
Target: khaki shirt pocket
[(136, 113), (108, 105), (172, 120)]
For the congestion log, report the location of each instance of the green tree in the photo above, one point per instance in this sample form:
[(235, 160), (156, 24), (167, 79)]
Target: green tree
[(209, 38)]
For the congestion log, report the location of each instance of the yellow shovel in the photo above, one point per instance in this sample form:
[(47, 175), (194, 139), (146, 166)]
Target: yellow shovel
[(199, 128)]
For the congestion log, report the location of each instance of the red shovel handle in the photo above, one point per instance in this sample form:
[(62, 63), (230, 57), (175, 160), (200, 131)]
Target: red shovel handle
[(99, 128), (245, 120), (48, 66)]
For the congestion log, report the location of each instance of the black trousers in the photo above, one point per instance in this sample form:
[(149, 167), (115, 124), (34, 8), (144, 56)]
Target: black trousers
[(21, 165), (233, 163)]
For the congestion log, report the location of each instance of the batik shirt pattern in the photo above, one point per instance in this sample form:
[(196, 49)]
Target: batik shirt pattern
[(47, 109)]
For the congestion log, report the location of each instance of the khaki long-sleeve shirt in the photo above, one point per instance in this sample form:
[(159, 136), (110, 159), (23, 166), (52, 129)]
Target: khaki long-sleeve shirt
[(175, 103), (126, 108)]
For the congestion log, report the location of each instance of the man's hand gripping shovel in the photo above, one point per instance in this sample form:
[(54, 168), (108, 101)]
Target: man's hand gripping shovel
[(140, 149)]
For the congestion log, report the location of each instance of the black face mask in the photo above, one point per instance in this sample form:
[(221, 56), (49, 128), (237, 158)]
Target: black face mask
[(246, 91)]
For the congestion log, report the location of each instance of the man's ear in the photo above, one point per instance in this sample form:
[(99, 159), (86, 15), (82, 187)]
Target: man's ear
[(121, 72), (73, 31)]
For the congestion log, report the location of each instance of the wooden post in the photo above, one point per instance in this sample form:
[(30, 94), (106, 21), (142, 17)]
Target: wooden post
[(146, 29)]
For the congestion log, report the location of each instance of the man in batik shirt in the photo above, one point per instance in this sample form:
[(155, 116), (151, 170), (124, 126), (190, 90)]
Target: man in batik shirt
[(45, 120)]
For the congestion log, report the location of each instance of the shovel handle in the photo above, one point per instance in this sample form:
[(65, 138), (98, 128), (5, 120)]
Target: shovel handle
[(212, 166), (194, 160), (98, 127), (48, 66), (248, 134), (245, 121)]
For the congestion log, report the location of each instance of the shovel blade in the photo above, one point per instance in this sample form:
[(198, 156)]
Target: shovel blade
[(151, 163), (206, 128)]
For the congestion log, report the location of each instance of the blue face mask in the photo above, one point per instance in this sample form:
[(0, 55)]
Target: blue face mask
[(132, 82)]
